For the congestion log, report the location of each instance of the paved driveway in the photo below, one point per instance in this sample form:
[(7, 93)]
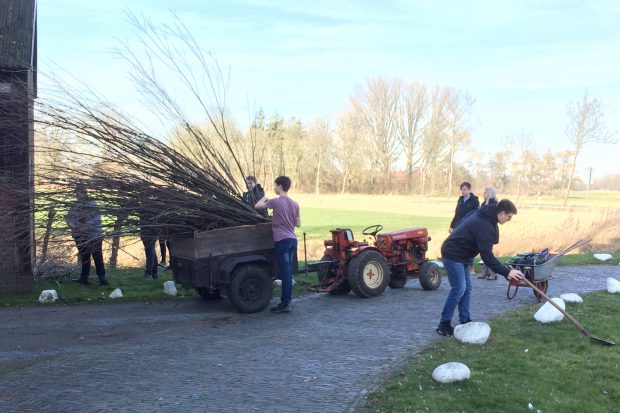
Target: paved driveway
[(204, 356)]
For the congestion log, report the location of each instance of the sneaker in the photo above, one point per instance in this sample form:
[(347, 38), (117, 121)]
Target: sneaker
[(103, 281), (147, 277), (466, 321), (445, 329), (162, 264), (83, 281), (282, 308)]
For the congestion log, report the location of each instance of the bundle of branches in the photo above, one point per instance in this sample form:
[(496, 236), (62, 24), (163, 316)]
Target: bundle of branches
[(192, 183)]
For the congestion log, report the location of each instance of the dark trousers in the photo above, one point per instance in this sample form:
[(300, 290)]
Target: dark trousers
[(163, 243), (87, 248), (151, 256)]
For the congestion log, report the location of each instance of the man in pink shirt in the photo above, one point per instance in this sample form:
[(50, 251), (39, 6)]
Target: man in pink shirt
[(284, 220)]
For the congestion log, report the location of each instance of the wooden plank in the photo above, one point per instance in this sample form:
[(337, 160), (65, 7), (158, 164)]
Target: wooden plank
[(234, 240), (246, 238)]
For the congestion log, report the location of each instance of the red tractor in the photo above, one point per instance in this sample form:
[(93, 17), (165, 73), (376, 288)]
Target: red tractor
[(367, 269)]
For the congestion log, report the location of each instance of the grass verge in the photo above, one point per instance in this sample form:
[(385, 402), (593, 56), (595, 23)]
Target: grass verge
[(551, 366)]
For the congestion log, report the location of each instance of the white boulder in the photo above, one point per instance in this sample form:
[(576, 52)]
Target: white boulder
[(571, 298), (613, 285), (474, 332), (170, 288), (451, 372), (547, 313), (48, 296), (117, 293), (602, 257), (278, 282)]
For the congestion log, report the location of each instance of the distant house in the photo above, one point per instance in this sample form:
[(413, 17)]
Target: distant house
[(18, 81)]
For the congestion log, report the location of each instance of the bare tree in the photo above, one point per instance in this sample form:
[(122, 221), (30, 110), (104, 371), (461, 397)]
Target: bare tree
[(412, 113), (434, 138), (585, 125), (458, 106), (349, 144), (317, 147), (376, 106)]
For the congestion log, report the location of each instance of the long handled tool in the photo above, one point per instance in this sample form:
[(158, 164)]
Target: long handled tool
[(566, 250), (577, 324)]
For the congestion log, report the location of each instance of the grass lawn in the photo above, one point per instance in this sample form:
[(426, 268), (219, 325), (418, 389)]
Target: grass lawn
[(551, 366)]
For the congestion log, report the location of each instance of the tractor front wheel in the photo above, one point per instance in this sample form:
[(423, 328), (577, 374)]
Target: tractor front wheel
[(430, 278), (368, 274)]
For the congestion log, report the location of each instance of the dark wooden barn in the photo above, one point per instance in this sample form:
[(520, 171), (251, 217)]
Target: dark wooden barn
[(18, 64)]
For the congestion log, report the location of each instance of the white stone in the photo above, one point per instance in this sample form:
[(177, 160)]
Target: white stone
[(451, 372), (613, 285), (170, 288), (547, 313), (474, 332), (117, 293), (571, 298), (278, 282), (439, 263), (602, 257), (48, 296)]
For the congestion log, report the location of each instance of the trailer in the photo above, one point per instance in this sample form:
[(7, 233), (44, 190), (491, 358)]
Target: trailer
[(237, 262)]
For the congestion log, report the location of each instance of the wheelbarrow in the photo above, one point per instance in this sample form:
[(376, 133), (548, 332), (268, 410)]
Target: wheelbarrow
[(537, 268)]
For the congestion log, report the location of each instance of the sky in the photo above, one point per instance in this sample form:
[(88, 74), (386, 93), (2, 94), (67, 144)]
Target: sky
[(522, 61)]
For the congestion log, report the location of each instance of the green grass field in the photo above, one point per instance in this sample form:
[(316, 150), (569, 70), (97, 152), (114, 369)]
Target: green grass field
[(551, 366)]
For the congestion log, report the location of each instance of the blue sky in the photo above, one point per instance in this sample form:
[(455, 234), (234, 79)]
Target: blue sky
[(522, 61)]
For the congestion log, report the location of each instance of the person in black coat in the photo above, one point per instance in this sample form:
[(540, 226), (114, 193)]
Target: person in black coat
[(489, 196), (255, 193), (466, 203), (476, 234)]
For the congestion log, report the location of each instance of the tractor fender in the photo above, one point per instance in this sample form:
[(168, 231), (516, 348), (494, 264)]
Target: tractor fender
[(229, 266), (360, 250)]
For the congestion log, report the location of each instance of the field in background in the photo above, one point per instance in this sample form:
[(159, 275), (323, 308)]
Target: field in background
[(535, 226)]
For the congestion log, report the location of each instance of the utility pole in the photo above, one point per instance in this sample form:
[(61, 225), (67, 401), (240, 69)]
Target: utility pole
[(589, 174)]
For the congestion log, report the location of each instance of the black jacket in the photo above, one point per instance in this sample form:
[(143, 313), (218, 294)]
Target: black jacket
[(489, 201), (476, 234), (463, 208), (256, 194)]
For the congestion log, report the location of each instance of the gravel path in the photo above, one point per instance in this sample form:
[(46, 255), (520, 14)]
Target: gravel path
[(204, 356)]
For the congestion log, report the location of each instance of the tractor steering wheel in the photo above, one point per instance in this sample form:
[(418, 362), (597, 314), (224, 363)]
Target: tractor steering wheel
[(375, 230)]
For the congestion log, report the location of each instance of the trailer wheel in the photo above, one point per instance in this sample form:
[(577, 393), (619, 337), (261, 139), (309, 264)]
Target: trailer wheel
[(368, 274), (542, 286), (250, 288), (430, 278)]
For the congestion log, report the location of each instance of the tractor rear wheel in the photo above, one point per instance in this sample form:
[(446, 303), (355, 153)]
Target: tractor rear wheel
[(368, 273), (430, 278)]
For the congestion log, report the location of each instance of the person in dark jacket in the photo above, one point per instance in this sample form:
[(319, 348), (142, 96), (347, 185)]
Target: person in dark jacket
[(475, 235), (255, 191), (490, 198), (466, 203), (84, 220)]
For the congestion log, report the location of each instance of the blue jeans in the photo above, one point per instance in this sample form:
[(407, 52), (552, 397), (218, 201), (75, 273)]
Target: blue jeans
[(460, 283), (285, 251)]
